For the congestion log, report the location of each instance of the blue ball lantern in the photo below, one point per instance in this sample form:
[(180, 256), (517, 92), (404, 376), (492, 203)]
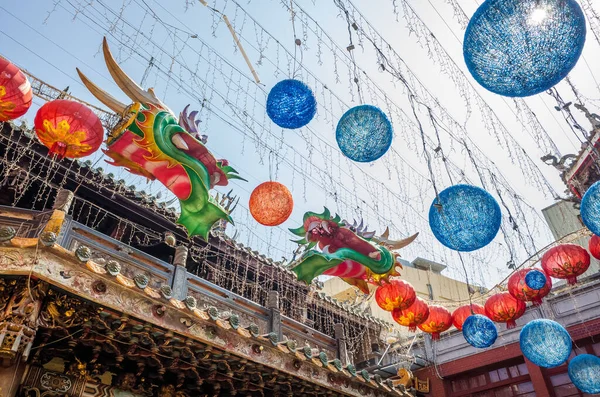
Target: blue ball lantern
[(364, 133), (291, 104), (590, 208), (584, 371), (479, 331), (519, 48), (464, 218), (545, 343), (535, 279)]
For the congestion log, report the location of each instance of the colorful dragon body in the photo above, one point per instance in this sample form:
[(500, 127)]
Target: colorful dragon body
[(336, 248), (149, 141)]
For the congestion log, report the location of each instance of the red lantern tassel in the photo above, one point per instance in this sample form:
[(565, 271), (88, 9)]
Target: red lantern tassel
[(435, 336), (510, 324), (412, 328), (571, 280), (536, 301), (59, 149)]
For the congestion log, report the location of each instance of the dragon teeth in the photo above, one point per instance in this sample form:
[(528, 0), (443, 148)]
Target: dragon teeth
[(179, 142)]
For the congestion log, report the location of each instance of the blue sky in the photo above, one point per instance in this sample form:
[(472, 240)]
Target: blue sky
[(196, 62)]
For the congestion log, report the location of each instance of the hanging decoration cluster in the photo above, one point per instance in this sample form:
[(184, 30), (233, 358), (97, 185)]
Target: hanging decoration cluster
[(519, 48), (566, 261), (397, 294), (545, 343), (462, 313), (15, 91), (413, 316), (271, 203), (438, 321), (479, 331), (584, 371), (504, 308), (518, 287), (291, 104), (464, 218), (364, 133)]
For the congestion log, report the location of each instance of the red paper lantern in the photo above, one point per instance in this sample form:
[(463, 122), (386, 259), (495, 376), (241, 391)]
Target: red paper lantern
[(566, 261), (68, 128), (594, 246), (15, 91), (519, 289), (271, 203), (397, 294), (439, 320), (412, 316), (504, 308), (460, 315)]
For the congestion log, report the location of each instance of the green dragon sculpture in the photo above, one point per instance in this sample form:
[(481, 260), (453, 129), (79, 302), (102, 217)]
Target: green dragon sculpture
[(335, 247), (149, 141)]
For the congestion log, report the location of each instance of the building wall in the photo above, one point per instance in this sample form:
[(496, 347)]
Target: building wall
[(563, 219)]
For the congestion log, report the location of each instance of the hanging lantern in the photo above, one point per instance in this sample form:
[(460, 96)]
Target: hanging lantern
[(462, 313), (479, 331), (536, 279), (594, 246), (271, 203), (519, 48), (504, 308), (397, 294), (412, 316), (464, 218), (566, 261), (15, 91), (291, 104), (584, 371), (590, 208), (518, 287), (364, 133), (545, 343), (68, 129), (439, 320)]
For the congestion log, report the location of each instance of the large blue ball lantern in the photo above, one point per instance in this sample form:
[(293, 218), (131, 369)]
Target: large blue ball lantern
[(479, 331), (519, 48), (465, 218), (545, 343), (590, 208), (291, 104), (364, 133), (535, 279), (584, 371)]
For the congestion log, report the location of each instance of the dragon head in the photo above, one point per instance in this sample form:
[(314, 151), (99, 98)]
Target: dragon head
[(150, 141)]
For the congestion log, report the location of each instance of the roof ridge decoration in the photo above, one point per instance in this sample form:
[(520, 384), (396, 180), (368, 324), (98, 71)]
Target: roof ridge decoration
[(149, 142)]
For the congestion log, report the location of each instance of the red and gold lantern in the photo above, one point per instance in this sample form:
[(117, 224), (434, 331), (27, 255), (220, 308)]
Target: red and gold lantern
[(15, 91), (566, 261), (460, 315), (594, 246), (271, 203), (439, 320), (68, 129), (412, 316), (518, 288), (504, 308), (397, 294)]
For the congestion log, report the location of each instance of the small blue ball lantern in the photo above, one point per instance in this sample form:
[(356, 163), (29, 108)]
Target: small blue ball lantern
[(535, 279), (584, 371), (291, 104), (465, 218), (519, 48), (545, 343), (479, 331), (590, 208), (364, 133)]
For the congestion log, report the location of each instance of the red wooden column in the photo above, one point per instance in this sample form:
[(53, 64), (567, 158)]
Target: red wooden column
[(537, 378)]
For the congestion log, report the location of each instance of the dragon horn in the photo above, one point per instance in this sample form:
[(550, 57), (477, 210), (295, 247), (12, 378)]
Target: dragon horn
[(125, 83), (395, 245), (385, 235), (102, 95), (326, 214), (337, 218)]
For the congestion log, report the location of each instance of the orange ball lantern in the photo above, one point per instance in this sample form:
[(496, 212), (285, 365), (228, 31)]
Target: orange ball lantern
[(271, 203), (15, 91), (460, 315), (397, 294), (439, 320), (412, 316), (594, 246), (504, 308), (68, 129), (518, 288), (566, 261)]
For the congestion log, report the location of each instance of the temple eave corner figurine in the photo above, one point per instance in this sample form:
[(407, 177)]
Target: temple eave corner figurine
[(337, 248), (150, 141)]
